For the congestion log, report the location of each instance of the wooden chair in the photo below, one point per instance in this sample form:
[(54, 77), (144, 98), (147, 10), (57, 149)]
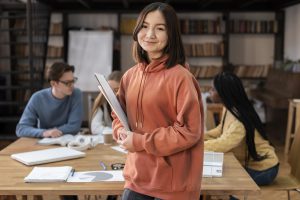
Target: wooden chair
[(292, 123), (291, 181), (213, 114)]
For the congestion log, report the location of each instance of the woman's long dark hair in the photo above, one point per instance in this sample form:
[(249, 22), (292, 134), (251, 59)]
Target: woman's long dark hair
[(234, 98)]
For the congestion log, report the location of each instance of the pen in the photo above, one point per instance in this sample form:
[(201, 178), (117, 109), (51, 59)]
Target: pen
[(103, 165), (72, 172)]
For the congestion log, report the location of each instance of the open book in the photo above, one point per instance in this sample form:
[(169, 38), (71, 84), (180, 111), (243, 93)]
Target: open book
[(112, 100), (49, 174), (213, 164)]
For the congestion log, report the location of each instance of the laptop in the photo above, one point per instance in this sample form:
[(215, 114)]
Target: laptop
[(47, 155)]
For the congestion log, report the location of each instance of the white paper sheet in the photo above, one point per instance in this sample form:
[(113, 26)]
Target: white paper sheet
[(97, 176), (90, 51)]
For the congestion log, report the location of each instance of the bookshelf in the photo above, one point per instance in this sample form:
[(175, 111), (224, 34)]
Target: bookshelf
[(252, 40), (55, 44), (22, 43), (203, 35), (205, 56), (247, 43)]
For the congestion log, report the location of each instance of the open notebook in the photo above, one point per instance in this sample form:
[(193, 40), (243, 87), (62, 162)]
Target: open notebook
[(213, 164), (47, 155)]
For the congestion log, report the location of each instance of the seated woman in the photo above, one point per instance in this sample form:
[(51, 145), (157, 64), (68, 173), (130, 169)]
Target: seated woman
[(241, 131), (101, 112)]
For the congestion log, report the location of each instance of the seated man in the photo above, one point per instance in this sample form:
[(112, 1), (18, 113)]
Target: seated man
[(53, 111)]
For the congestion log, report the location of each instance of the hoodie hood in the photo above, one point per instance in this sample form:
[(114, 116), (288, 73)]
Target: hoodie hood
[(155, 65)]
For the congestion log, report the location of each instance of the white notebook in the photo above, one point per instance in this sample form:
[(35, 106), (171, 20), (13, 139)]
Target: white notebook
[(49, 174), (47, 155)]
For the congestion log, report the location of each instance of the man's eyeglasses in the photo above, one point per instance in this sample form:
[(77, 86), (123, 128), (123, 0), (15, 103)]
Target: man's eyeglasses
[(69, 83)]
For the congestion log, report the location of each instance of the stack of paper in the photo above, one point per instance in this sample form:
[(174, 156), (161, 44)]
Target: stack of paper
[(49, 174)]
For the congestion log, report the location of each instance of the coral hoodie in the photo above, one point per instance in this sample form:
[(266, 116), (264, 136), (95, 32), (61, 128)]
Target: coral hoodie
[(165, 112)]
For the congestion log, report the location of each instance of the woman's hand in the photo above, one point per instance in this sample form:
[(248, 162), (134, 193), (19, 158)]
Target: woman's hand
[(127, 142), (122, 134)]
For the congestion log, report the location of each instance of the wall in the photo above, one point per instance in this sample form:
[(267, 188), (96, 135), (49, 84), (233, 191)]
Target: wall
[(292, 33), (92, 21)]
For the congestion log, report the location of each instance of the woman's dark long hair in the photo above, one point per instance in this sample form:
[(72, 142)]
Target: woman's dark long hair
[(234, 98)]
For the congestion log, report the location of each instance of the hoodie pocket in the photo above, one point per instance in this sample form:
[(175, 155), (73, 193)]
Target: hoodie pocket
[(149, 172)]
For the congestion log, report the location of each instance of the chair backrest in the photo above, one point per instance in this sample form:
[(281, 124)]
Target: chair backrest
[(293, 121), (213, 114), (294, 158)]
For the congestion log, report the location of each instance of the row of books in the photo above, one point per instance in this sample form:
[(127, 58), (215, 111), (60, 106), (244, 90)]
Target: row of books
[(54, 51), (55, 29), (252, 71), (36, 24), (205, 71), (195, 26), (23, 50), (187, 26), (205, 49), (26, 76), (19, 24), (253, 26)]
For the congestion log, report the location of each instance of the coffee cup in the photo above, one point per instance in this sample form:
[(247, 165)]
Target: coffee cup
[(107, 136)]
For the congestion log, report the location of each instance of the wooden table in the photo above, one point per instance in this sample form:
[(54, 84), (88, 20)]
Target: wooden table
[(235, 179)]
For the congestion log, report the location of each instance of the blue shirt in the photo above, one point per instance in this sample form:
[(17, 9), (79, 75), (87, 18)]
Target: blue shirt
[(44, 111)]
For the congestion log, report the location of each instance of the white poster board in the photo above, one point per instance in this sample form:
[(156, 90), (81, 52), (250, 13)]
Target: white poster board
[(90, 52)]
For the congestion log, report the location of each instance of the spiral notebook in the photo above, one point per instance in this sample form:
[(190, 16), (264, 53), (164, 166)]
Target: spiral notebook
[(47, 155)]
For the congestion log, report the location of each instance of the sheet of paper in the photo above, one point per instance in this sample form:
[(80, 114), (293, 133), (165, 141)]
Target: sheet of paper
[(118, 148), (97, 176)]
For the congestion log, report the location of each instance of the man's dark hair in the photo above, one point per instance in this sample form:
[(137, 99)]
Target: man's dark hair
[(57, 70)]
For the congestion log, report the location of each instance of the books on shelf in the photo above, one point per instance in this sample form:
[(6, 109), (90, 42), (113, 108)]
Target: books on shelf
[(205, 71), (253, 71), (49, 174), (204, 49), (253, 26), (202, 26)]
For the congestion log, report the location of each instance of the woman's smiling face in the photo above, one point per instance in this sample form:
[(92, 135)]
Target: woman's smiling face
[(153, 35)]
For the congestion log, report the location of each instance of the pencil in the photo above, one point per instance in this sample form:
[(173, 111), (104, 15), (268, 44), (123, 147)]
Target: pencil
[(103, 165)]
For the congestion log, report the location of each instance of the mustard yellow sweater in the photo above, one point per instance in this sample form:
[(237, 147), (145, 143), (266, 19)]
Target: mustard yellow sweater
[(232, 139)]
